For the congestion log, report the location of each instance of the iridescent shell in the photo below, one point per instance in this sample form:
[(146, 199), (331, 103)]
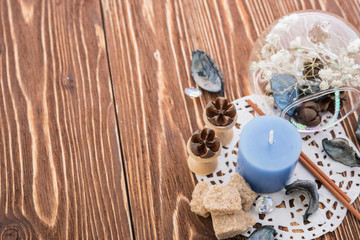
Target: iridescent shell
[(193, 92)]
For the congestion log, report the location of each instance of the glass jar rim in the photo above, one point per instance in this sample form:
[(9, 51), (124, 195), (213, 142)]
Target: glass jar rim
[(320, 94)]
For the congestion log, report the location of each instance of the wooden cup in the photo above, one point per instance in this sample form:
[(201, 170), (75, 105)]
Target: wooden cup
[(202, 166), (225, 133)]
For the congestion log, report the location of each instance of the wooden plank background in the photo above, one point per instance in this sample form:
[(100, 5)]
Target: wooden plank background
[(61, 174), (93, 116)]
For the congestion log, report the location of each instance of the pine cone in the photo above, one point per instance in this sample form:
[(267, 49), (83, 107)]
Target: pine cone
[(220, 112), (328, 102), (204, 143), (312, 68), (308, 114)]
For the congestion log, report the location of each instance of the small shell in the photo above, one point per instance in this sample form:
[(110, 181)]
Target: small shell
[(205, 72), (311, 189), (340, 150), (263, 233), (193, 92)]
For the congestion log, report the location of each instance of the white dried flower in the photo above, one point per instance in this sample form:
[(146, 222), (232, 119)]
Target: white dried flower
[(281, 27), (336, 83), (269, 99), (253, 66), (356, 67), (268, 50), (295, 43), (285, 23), (336, 75), (326, 74), (262, 64), (272, 38), (353, 69), (283, 56), (354, 46), (309, 55), (324, 85), (289, 66), (267, 74), (289, 20), (347, 62), (348, 77), (355, 81)]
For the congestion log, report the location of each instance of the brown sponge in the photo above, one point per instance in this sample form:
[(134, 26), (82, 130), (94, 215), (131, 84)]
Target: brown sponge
[(197, 202), (226, 205), (227, 226), (221, 200), (247, 195)]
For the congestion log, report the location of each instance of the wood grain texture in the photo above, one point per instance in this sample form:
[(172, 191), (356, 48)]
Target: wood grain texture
[(149, 47), (61, 174)]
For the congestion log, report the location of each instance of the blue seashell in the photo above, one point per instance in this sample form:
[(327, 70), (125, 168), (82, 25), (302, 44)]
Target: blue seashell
[(310, 188), (263, 233), (205, 72), (285, 91), (339, 150)]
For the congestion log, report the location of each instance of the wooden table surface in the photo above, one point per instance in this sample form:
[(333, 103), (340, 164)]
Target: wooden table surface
[(93, 116)]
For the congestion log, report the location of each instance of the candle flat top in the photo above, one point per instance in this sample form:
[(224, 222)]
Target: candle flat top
[(255, 148)]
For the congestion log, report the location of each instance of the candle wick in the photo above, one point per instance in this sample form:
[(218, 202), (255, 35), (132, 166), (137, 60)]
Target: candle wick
[(271, 137)]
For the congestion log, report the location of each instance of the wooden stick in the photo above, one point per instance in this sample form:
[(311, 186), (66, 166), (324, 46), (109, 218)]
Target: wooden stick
[(311, 166), (255, 107), (332, 190), (318, 170)]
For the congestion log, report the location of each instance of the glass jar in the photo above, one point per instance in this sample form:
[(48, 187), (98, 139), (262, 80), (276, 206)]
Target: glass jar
[(308, 56)]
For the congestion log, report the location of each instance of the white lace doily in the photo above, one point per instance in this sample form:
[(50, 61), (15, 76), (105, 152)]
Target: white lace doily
[(287, 216)]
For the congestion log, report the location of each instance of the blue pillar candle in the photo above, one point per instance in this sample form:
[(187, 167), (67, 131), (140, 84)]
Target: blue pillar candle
[(269, 148)]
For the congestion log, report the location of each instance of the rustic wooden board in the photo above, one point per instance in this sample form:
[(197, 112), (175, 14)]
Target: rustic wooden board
[(61, 174), (149, 45)]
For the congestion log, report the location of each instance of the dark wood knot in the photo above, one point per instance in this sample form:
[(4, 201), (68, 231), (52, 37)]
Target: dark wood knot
[(68, 82), (11, 233)]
